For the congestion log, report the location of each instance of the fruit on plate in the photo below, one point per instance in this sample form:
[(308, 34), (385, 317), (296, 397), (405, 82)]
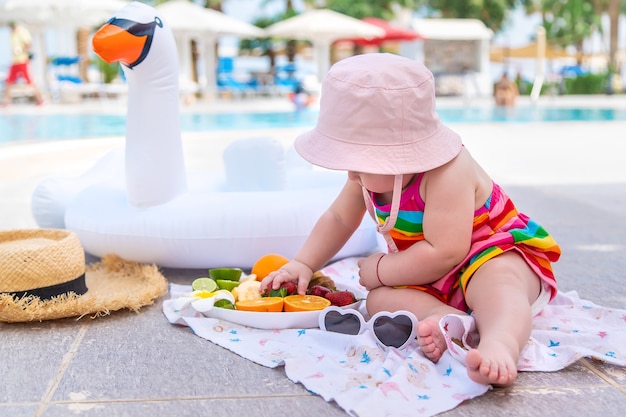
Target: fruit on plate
[(340, 298), (319, 278), (266, 264), (231, 274), (285, 289), (264, 304), (304, 303), (247, 277), (226, 284), (224, 295), (318, 290), (224, 303), (204, 284), (337, 298), (247, 290)]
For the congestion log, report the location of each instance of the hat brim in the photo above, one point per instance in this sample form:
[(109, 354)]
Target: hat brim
[(113, 284), (406, 158)]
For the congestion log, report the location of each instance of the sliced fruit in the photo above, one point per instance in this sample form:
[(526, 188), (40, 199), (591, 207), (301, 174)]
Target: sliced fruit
[(265, 304), (231, 274), (204, 284), (266, 264), (224, 304), (248, 290), (226, 284), (305, 303)]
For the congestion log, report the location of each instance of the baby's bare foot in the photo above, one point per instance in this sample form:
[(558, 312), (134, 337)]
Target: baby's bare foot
[(430, 339), (493, 365)]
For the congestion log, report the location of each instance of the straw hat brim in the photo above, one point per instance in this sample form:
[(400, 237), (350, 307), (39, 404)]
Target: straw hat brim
[(113, 284)]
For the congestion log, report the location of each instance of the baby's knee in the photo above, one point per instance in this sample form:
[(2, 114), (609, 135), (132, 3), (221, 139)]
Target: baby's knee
[(378, 300)]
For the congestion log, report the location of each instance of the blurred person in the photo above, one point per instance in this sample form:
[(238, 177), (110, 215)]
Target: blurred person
[(20, 42), (505, 91), (300, 97)]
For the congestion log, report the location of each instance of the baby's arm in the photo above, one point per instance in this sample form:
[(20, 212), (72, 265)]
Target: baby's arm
[(449, 194), (330, 233)]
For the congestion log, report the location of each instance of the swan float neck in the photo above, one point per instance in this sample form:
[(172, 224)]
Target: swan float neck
[(144, 45)]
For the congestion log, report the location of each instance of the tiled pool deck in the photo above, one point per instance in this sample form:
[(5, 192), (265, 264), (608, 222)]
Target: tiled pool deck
[(570, 177)]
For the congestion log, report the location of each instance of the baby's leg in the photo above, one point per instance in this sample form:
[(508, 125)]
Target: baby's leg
[(428, 309), (500, 294)]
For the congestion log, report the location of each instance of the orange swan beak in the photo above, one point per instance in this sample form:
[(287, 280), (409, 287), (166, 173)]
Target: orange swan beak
[(125, 41)]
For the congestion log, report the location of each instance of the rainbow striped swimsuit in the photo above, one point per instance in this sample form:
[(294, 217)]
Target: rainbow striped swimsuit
[(498, 228)]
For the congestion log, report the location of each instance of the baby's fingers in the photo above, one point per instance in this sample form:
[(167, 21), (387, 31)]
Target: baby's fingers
[(303, 286), (275, 279)]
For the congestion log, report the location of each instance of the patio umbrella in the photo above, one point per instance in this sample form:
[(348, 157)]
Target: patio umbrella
[(530, 51), (189, 20), (185, 16), (322, 27), (393, 33), (59, 13)]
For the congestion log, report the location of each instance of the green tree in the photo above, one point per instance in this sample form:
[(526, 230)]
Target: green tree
[(359, 9), (261, 46), (613, 9), (493, 13), (568, 22)]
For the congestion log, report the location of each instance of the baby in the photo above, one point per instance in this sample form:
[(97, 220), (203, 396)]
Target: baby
[(456, 242)]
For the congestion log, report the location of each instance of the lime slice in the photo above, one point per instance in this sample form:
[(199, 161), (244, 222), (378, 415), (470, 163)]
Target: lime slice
[(204, 284), (225, 284), (224, 304), (231, 274)]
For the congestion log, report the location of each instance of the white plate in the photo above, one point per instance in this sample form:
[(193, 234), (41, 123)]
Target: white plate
[(271, 321)]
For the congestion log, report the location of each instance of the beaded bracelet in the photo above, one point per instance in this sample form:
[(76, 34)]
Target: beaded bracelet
[(377, 265)]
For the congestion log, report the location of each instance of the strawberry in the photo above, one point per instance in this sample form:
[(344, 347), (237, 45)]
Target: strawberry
[(341, 298), (318, 290), (290, 287), (285, 289)]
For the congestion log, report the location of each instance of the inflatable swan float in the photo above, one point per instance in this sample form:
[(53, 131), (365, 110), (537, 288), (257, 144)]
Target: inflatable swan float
[(148, 213)]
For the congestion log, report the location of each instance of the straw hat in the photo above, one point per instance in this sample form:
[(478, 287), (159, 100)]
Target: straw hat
[(44, 277), (377, 115)]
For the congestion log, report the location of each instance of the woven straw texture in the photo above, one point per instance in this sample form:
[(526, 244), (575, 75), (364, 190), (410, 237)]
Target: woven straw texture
[(36, 258), (113, 283)]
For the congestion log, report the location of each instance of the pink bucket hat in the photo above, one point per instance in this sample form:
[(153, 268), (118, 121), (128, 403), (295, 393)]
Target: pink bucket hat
[(377, 115)]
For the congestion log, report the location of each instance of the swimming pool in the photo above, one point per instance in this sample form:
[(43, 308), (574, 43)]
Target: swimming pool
[(44, 127)]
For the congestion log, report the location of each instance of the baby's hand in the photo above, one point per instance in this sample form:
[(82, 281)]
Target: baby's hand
[(293, 271), (367, 271)]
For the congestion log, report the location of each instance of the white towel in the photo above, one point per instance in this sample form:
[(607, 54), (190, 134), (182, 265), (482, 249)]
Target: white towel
[(367, 381)]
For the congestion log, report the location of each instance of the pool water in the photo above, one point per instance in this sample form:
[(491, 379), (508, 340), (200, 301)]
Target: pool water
[(43, 127)]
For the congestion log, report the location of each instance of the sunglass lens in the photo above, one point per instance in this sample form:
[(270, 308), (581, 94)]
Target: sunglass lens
[(342, 323), (393, 331)]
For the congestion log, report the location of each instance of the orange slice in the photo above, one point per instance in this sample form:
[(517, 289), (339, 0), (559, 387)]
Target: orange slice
[(264, 304), (305, 303)]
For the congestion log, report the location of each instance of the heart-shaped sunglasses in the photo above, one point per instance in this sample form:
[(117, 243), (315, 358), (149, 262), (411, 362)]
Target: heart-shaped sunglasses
[(395, 329)]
